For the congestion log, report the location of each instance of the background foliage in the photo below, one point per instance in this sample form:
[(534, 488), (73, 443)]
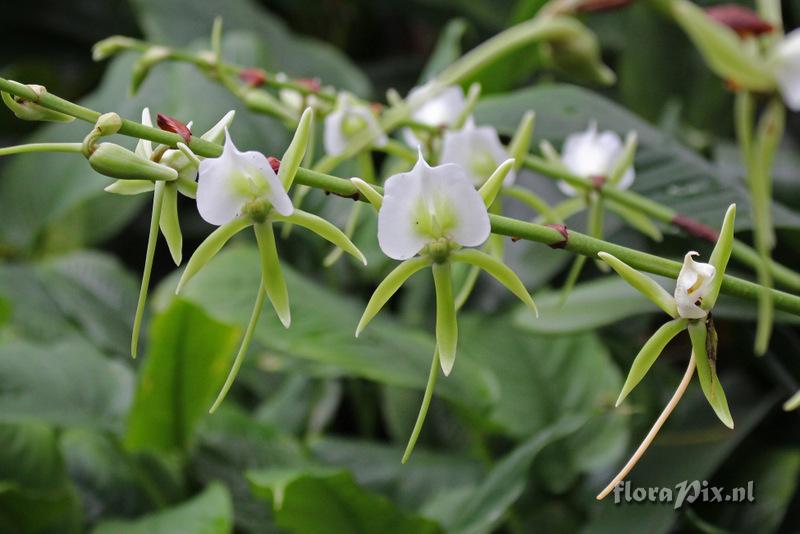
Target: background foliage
[(520, 437)]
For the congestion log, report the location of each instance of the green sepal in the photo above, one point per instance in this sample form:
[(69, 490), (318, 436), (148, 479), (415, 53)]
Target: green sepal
[(533, 201), (720, 256), (471, 100), (388, 287), (648, 354), (704, 345), (209, 248), (521, 141), (271, 272), (118, 162), (369, 192), (262, 101), (793, 403), (625, 160), (572, 277), (30, 111), (216, 134), (642, 283), (324, 229), (636, 220), (349, 230), (724, 52), (170, 223), (129, 187), (111, 46), (491, 187), (293, 156), (446, 323), (499, 271)]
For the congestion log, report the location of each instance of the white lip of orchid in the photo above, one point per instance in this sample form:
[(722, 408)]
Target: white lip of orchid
[(441, 109), (434, 207), (238, 181), (693, 284), (347, 120), (590, 154), (478, 150), (785, 63)]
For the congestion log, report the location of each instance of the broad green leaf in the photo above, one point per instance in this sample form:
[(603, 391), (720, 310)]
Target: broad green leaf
[(210, 512), (67, 384), (318, 499), (187, 359)]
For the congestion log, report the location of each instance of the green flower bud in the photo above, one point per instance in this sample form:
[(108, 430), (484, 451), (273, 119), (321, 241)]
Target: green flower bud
[(578, 55), (118, 162), (111, 46), (108, 124), (142, 67), (30, 111)]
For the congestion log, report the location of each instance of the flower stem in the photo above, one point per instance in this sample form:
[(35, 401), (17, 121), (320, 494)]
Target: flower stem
[(41, 147), (246, 341), (423, 409), (152, 238), (648, 439)]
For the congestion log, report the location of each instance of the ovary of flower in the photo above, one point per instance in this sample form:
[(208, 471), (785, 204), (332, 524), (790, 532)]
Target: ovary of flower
[(439, 107), (786, 65), (348, 120), (430, 205), (478, 150), (693, 284), (593, 154), (239, 181)]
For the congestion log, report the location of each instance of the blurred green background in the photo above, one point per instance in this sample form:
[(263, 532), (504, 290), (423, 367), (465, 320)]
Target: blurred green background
[(523, 434)]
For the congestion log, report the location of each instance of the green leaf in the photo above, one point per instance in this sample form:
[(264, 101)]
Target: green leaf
[(186, 363), (707, 369), (312, 500), (68, 384), (211, 512)]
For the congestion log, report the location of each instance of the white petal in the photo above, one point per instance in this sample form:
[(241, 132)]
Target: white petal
[(144, 147), (218, 201), (786, 64), (472, 227), (397, 236), (693, 284), (627, 179), (336, 137), (333, 136), (274, 192), (589, 154), (435, 106), (477, 150)]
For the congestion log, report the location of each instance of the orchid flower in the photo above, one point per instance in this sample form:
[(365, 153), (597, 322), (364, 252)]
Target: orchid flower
[(435, 107), (696, 291), (427, 217), (477, 150), (241, 189), (348, 120), (785, 62)]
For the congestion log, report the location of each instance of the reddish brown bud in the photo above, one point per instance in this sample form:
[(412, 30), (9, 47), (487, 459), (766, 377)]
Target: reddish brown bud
[(312, 84), (253, 77), (275, 163), (695, 228), (602, 5), (740, 19), (170, 124)]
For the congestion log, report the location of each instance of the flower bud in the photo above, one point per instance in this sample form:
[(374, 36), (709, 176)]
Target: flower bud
[(142, 67), (118, 162), (578, 55), (253, 77), (30, 111), (740, 19), (171, 124), (111, 46), (108, 124)]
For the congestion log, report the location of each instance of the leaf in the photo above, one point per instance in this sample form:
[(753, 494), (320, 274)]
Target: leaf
[(68, 384), (323, 329), (210, 512), (666, 172), (312, 500), (188, 358)]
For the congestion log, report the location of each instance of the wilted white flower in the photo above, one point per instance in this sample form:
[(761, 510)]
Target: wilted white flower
[(349, 119), (440, 107), (478, 150), (591, 154), (429, 205), (236, 181), (786, 65), (694, 282)]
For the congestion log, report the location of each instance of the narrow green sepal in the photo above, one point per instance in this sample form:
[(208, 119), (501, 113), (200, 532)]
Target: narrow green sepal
[(491, 187), (388, 287), (572, 277), (118, 162), (262, 101), (535, 202), (642, 283), (324, 229), (636, 220), (30, 111), (550, 153), (446, 323), (499, 271), (625, 160), (349, 230), (648, 354), (369, 192), (704, 346), (216, 134), (793, 403), (297, 149), (521, 141), (720, 256), (209, 248), (271, 272), (129, 187), (170, 224), (471, 100)]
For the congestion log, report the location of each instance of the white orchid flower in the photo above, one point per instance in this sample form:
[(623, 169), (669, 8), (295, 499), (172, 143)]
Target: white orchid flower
[(786, 66), (238, 181), (594, 154), (478, 150), (438, 107), (349, 119), (430, 205), (694, 283)]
